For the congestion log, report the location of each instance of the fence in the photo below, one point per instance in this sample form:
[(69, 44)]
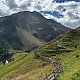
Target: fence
[(49, 76), (54, 75)]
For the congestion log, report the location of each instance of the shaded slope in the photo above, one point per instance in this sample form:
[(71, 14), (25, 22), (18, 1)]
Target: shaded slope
[(28, 30)]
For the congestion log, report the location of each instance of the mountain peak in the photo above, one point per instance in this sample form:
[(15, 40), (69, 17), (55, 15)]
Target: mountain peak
[(26, 30)]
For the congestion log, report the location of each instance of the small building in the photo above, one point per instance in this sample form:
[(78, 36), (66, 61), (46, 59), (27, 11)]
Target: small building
[(6, 62)]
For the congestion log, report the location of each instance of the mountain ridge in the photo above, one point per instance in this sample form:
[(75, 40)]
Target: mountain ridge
[(67, 40), (28, 29)]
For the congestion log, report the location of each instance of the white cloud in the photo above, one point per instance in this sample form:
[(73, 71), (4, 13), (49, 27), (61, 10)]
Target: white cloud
[(4, 9), (70, 9), (71, 12)]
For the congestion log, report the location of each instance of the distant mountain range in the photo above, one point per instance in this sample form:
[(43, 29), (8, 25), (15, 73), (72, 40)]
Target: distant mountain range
[(27, 30)]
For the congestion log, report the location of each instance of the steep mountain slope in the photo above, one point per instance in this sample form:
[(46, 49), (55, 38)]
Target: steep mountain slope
[(28, 30)]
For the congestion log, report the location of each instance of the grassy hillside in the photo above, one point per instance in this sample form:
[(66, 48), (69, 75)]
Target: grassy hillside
[(67, 40), (28, 67), (71, 65), (68, 54), (25, 67)]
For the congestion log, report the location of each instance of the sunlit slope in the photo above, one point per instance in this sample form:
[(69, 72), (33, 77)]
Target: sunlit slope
[(25, 67), (68, 54)]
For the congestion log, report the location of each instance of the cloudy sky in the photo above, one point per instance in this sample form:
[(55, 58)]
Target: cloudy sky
[(66, 12)]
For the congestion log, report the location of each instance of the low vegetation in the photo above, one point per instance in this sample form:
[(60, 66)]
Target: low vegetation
[(65, 49), (68, 54), (25, 66)]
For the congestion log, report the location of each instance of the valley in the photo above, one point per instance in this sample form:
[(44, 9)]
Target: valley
[(36, 46)]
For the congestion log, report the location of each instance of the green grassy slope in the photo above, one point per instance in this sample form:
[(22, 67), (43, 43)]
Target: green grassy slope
[(68, 40), (30, 68), (70, 63), (8, 68), (67, 54), (25, 67)]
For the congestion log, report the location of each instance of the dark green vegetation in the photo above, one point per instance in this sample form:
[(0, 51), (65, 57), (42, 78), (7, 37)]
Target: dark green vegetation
[(5, 56), (28, 30), (68, 54)]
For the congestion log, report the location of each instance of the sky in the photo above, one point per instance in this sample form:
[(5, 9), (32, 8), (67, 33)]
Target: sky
[(66, 12)]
